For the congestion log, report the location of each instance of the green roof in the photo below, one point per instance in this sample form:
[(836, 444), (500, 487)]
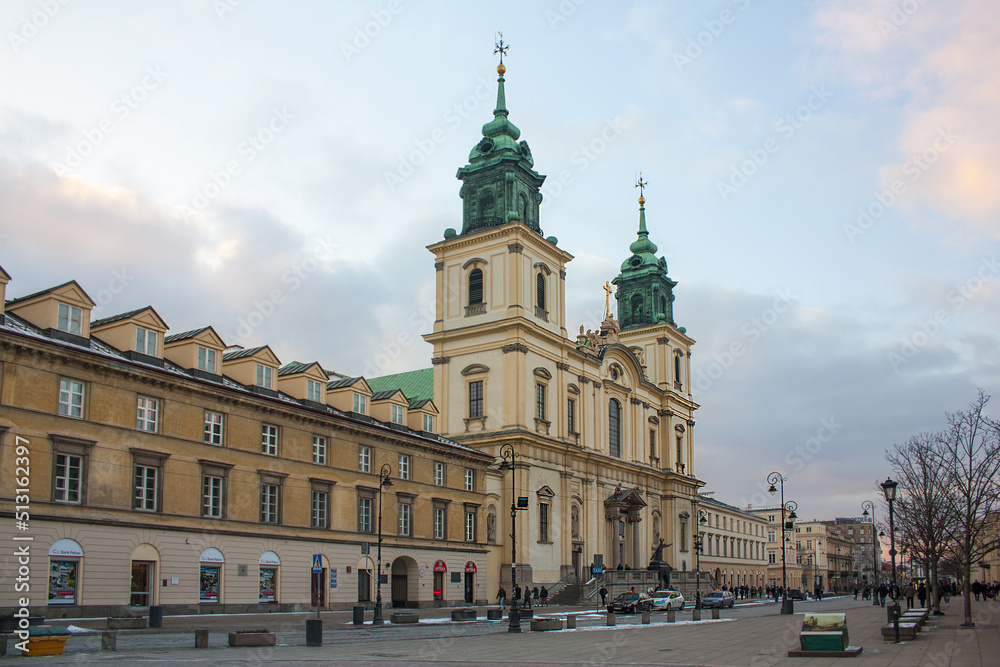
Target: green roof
[(416, 385)]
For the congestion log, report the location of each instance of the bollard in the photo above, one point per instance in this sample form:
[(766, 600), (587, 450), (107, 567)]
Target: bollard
[(671, 616), (715, 613), (359, 614), (314, 632), (645, 618), (156, 616), (109, 641), (611, 619), (201, 638), (696, 614), (571, 622)]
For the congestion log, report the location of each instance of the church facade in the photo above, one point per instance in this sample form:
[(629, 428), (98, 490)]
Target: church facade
[(601, 423)]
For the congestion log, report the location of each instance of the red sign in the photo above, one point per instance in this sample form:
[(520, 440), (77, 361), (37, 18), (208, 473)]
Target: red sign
[(470, 567), (439, 566)]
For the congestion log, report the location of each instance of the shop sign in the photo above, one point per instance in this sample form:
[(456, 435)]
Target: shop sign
[(66, 548), (470, 567), (212, 555), (439, 566), (269, 558)]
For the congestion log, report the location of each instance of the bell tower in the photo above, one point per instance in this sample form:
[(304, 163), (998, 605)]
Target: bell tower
[(645, 293)]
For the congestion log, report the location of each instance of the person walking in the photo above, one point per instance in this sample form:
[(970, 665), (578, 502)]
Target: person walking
[(922, 594), (502, 597), (543, 595), (604, 596), (908, 593), (882, 592)]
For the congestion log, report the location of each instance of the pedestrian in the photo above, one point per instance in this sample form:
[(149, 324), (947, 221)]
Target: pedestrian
[(922, 594), (882, 592), (517, 593), (604, 596), (534, 593), (543, 595), (908, 593), (855, 592), (502, 597)]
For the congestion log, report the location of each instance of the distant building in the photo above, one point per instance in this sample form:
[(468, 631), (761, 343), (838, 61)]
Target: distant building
[(792, 564), (734, 544), (826, 558), (860, 532)]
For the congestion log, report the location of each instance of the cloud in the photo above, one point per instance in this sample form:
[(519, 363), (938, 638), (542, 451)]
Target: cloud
[(941, 61)]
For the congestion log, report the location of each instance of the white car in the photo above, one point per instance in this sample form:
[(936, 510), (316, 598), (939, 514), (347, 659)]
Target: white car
[(667, 601)]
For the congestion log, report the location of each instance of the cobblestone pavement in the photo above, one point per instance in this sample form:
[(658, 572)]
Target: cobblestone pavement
[(754, 635)]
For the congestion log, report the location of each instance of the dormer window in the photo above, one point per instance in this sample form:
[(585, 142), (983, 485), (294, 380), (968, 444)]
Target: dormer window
[(360, 404), (70, 319), (145, 341), (314, 391), (207, 359), (429, 423), (397, 414), (265, 376)]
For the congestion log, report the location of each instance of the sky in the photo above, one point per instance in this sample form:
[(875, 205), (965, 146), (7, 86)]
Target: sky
[(822, 180)]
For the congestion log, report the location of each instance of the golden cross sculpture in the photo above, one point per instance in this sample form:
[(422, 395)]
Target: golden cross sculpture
[(501, 48), (641, 184), (607, 299)]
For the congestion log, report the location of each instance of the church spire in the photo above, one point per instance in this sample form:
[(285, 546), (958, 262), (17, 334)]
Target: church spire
[(642, 244)]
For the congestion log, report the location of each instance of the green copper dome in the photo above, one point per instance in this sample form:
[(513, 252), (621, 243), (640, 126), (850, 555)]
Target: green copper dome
[(645, 292)]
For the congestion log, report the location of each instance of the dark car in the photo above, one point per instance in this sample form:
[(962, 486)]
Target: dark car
[(630, 603), (720, 599), (796, 594)]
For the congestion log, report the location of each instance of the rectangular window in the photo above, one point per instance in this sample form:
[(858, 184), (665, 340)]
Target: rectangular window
[(147, 480), (475, 399), (360, 404), (429, 423), (404, 466), (470, 525), (540, 401), (683, 531), (269, 439), (365, 514), (470, 479), (398, 414), (440, 523), (71, 398), (145, 341), (213, 427), (68, 479), (364, 458), (70, 319), (652, 443), (571, 416), (265, 376), (543, 522), (772, 558), (207, 360), (438, 473), (405, 512), (314, 391), (320, 509), (319, 449), (770, 536), (147, 413), (270, 503), (680, 452), (212, 487)]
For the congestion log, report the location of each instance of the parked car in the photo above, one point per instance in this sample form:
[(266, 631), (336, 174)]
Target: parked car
[(631, 603), (720, 599), (667, 600), (796, 594)]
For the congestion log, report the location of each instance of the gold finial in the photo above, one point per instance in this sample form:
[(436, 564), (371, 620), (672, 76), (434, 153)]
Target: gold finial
[(641, 184), (501, 48), (607, 299)]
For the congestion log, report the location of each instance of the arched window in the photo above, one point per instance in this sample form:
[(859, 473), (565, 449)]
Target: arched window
[(663, 305), (540, 290), (486, 208), (475, 286), (637, 304), (677, 372), (614, 428), (522, 206)]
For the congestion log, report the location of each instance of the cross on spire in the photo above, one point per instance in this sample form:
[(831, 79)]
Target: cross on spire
[(501, 48), (641, 184)]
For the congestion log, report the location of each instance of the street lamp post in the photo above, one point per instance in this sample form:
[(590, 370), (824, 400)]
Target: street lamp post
[(889, 489), (869, 506), (383, 482), (787, 606), (514, 617), (698, 544)]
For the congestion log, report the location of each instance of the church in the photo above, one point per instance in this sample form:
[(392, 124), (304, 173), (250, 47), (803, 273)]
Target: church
[(598, 426)]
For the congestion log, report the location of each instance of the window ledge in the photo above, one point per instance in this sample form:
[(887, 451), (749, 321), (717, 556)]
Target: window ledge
[(475, 309), (472, 420), (542, 426)]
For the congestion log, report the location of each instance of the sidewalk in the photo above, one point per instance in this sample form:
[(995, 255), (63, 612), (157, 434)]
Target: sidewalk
[(755, 641)]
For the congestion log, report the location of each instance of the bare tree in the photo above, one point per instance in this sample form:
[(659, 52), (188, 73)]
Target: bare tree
[(970, 451), (923, 509)]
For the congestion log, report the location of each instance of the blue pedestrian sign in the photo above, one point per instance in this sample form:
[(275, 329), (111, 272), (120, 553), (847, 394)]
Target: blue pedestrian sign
[(317, 563)]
